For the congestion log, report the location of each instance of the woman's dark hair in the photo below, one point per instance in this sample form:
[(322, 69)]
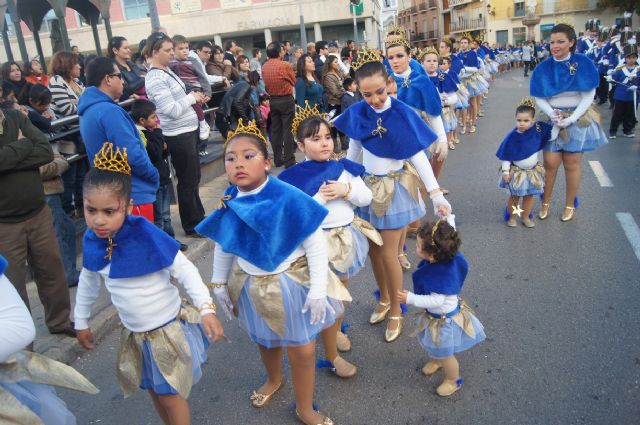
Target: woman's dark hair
[(117, 183), (39, 95), (569, 32), (241, 58), (328, 65), (253, 77), (526, 108), (115, 43), (444, 243), (310, 127), (371, 69), (154, 42), (142, 108), (215, 49), (97, 69), (259, 143), (7, 88), (6, 70), (62, 63)]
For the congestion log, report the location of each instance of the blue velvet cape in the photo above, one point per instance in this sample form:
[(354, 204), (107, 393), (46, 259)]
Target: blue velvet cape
[(266, 227), (468, 58), (3, 265), (140, 248), (552, 77), (456, 64), (308, 175), (421, 93), (413, 64), (406, 132), (441, 278), (518, 146), (444, 82)]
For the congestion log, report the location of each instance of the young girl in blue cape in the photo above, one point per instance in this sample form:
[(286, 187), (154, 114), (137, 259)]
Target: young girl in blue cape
[(391, 137), (456, 69), (469, 79), (522, 174), (163, 342), (448, 326), (270, 268), (338, 186), (564, 87), (26, 395)]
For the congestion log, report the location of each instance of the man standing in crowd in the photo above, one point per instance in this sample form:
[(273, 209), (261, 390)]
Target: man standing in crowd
[(26, 227), (287, 50), (230, 48), (311, 50), (322, 51), (200, 57), (102, 119), (527, 55), (280, 80), (254, 63)]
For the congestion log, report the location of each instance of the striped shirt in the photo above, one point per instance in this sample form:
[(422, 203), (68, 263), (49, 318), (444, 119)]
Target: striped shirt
[(64, 101), (173, 105)]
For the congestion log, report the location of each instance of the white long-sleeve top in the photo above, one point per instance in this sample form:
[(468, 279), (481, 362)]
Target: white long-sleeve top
[(380, 166), (341, 210), (525, 164), (435, 303), (314, 248), (173, 105), (143, 302), (16, 325)]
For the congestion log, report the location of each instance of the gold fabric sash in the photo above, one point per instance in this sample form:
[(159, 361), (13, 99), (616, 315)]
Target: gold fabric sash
[(383, 187), (15, 413), (340, 243), (266, 292), (535, 176), (169, 348), (462, 318), (591, 116)]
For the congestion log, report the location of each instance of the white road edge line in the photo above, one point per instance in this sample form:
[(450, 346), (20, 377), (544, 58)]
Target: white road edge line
[(632, 231), (601, 175)]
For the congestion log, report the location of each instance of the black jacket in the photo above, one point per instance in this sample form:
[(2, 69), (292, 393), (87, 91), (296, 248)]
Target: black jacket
[(158, 154), (133, 80), (237, 104)]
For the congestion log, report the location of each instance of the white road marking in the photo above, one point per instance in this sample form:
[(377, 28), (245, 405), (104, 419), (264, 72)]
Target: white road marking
[(601, 175), (632, 231)]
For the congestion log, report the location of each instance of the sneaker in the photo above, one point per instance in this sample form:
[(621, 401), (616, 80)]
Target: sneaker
[(203, 153), (205, 130), (612, 136), (630, 135)]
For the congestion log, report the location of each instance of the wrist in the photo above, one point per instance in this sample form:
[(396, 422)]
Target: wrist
[(435, 193), (216, 285), (348, 192), (207, 308)]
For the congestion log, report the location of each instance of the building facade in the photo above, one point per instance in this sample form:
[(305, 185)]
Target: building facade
[(422, 20)]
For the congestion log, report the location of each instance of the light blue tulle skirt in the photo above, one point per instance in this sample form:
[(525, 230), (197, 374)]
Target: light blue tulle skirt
[(452, 339), (525, 189), (472, 86), (402, 211), (42, 400), (297, 327), (153, 380), (449, 119), (463, 100), (493, 67), (361, 251), (483, 84), (581, 139)]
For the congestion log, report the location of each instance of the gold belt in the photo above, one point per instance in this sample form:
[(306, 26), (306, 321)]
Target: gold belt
[(535, 175), (340, 243), (462, 318), (266, 292), (383, 187), (592, 115)]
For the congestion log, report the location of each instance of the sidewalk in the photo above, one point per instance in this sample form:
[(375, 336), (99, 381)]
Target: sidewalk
[(104, 317)]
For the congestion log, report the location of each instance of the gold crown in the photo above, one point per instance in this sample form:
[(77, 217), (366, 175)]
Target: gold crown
[(302, 114), (396, 30), (249, 129), (467, 35), (527, 101), (109, 160), (565, 21), (365, 56), (427, 51), (398, 40)]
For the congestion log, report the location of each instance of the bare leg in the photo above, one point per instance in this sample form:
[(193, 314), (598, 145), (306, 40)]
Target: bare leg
[(177, 409), (303, 374), (159, 408), (552, 162), (329, 336), (437, 166), (571, 162), (392, 270), (527, 206), (375, 253), (451, 368), (272, 360)]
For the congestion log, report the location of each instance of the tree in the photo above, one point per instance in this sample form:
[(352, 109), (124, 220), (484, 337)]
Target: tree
[(621, 5)]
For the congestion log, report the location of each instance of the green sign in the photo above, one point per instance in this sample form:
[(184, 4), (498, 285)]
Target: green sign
[(359, 8)]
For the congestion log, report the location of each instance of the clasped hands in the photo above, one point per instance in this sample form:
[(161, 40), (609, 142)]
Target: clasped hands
[(332, 189)]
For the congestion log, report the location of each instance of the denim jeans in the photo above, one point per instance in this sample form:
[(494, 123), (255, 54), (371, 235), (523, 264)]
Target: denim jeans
[(66, 235), (162, 210), (73, 179)]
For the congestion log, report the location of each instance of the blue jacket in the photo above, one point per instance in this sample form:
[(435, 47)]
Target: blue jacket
[(102, 120), (622, 92)]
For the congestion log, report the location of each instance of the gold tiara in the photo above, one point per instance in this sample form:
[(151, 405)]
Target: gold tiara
[(396, 30), (427, 51), (527, 101), (249, 129), (398, 40), (108, 159), (365, 56), (467, 35), (565, 21), (302, 114)]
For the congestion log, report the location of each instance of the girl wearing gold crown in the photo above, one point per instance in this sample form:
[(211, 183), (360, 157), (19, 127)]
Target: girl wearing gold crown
[(456, 68), (163, 342), (338, 185), (564, 87), (469, 60), (391, 137), (270, 268)]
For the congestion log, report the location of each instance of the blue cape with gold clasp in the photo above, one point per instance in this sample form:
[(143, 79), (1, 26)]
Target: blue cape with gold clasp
[(309, 175), (552, 77), (518, 146)]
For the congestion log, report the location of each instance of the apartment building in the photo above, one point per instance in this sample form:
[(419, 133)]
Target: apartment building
[(422, 20)]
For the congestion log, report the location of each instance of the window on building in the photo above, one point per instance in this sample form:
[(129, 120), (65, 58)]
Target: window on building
[(502, 37), (519, 35), (46, 22), (545, 31), (82, 22), (135, 9), (11, 32), (518, 8)]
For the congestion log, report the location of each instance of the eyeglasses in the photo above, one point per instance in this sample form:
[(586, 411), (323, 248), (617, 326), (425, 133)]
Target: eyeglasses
[(116, 75)]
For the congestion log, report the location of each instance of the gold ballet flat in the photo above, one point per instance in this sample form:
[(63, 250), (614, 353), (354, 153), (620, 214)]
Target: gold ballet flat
[(568, 216), (528, 223), (404, 261), (463, 130), (377, 317), (472, 129), (448, 387), (343, 342), (431, 367), (325, 421), (452, 146), (260, 400), (544, 211), (512, 222), (343, 369), (392, 335), (456, 141)]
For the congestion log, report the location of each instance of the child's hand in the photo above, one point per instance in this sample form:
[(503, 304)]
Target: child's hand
[(506, 178), (401, 296), (443, 211), (212, 327), (85, 338), (333, 190)]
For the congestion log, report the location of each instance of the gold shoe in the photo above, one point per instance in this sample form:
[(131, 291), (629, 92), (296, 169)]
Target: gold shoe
[(390, 335), (343, 342), (512, 222), (431, 367), (463, 130), (451, 145), (568, 216), (377, 317), (343, 369), (456, 141), (544, 211), (481, 114), (404, 261), (261, 400), (325, 421), (472, 129), (448, 387), (528, 223)]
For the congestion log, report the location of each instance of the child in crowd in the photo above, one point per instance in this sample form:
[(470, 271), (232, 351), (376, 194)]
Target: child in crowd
[(337, 185), (192, 77), (522, 174), (164, 341), (351, 95), (445, 64), (40, 113), (143, 113), (263, 111), (271, 268), (627, 79), (447, 326)]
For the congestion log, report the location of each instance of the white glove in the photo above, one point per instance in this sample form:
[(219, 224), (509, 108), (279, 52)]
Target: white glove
[(442, 150), (565, 122), (451, 219), (610, 72), (224, 300), (439, 203), (633, 88), (608, 78), (318, 309), (605, 61)]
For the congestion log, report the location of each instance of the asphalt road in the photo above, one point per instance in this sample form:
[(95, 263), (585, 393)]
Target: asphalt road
[(558, 302)]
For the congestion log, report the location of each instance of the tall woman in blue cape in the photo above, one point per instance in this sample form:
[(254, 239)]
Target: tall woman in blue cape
[(391, 138), (564, 87), (470, 80), (457, 69)]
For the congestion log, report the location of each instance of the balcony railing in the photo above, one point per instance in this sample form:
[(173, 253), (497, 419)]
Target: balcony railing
[(413, 10), (454, 3), (421, 36), (422, 6), (433, 4), (467, 25), (557, 7), (431, 35)]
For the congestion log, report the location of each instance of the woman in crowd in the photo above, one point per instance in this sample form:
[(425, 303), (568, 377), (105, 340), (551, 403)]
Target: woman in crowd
[(219, 66), (308, 89), (12, 73), (132, 75), (35, 74), (243, 67), (332, 83)]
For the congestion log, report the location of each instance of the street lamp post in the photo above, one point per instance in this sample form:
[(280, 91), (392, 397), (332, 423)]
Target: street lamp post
[(303, 31)]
